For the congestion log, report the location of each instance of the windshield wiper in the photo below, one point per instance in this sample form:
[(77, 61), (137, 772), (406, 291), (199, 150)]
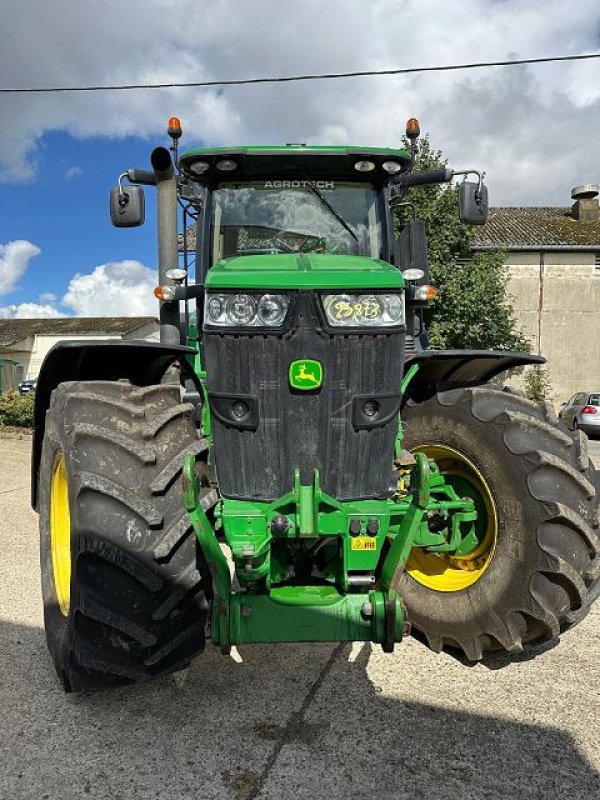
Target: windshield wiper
[(328, 206)]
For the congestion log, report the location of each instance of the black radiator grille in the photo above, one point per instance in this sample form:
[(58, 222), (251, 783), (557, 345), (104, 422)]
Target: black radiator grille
[(305, 430)]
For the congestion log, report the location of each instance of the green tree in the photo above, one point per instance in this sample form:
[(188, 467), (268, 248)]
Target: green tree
[(472, 308)]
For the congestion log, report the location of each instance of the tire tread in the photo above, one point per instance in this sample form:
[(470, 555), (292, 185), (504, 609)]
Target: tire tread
[(140, 588), (560, 586)]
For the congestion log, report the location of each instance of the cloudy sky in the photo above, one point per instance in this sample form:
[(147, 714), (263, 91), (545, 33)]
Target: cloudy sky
[(534, 130)]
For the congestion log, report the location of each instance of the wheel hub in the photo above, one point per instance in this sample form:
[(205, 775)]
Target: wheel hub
[(451, 573), (60, 534)]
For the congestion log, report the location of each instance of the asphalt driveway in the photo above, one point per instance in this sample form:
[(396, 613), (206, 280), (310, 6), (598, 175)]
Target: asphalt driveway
[(293, 721)]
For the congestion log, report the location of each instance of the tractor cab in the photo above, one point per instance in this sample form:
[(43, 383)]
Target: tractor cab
[(293, 216), (294, 199)]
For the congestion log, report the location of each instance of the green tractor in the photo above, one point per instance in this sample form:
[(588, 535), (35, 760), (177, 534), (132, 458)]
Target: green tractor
[(291, 463)]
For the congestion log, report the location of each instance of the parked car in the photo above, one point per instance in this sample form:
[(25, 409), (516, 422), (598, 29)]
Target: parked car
[(26, 387), (583, 411)]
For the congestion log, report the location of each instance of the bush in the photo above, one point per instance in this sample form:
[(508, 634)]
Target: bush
[(16, 410), (537, 384)]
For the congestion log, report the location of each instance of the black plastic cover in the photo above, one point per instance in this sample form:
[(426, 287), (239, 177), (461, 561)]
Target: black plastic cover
[(454, 369), (235, 410), (410, 249), (382, 408)]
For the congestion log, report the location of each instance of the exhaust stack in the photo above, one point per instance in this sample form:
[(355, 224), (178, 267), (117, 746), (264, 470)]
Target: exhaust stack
[(168, 255)]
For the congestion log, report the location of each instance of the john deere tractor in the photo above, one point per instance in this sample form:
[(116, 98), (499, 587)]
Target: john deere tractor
[(291, 463)]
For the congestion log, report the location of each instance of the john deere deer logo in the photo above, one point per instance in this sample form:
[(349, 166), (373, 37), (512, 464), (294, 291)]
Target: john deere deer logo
[(306, 374)]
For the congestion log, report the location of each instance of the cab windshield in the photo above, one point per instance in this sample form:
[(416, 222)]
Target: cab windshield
[(296, 216)]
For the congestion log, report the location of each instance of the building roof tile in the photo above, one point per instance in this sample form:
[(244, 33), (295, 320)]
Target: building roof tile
[(534, 227)]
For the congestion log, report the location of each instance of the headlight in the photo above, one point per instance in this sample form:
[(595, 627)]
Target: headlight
[(246, 310), (364, 310), (241, 309), (272, 309)]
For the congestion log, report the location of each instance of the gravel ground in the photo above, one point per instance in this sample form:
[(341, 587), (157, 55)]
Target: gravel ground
[(291, 721)]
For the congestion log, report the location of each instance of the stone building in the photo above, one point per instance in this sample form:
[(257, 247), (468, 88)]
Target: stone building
[(553, 255)]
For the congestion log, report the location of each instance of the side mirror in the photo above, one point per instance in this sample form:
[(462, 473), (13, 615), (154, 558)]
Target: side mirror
[(473, 203), (562, 405), (127, 206)]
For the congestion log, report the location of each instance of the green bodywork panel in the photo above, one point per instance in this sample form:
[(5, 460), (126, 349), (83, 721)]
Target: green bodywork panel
[(195, 362), (303, 271)]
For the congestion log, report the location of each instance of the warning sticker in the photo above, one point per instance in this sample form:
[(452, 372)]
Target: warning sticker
[(363, 543)]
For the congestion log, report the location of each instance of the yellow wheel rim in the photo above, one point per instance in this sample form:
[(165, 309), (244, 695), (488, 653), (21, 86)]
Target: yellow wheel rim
[(442, 572), (60, 534)]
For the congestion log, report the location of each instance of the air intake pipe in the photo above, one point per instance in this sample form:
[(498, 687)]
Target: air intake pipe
[(168, 255)]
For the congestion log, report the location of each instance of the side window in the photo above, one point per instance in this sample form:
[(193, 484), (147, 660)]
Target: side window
[(580, 400), (571, 400)]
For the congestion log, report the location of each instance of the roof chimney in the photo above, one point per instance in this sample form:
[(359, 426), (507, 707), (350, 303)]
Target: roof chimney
[(585, 208)]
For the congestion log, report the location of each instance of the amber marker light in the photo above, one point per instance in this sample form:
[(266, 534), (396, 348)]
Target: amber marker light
[(174, 128), (425, 292), (413, 129), (165, 293)]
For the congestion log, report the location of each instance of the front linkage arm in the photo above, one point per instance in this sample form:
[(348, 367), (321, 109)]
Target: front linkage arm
[(317, 612)]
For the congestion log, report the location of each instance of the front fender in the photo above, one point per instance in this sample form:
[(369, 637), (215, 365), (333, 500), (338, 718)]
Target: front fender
[(143, 363), (431, 371)]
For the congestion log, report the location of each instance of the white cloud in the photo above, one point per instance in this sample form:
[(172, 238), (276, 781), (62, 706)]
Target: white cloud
[(73, 172), (28, 310), (14, 260), (533, 129), (121, 288)]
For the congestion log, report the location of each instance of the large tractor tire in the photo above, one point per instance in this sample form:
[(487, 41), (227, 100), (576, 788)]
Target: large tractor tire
[(536, 569), (125, 587)]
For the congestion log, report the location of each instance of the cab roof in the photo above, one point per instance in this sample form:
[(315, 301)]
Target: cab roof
[(292, 161)]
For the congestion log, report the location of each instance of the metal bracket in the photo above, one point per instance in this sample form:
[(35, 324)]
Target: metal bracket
[(393, 566)]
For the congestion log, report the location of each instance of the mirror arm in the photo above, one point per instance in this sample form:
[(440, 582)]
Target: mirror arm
[(424, 178), (122, 195), (143, 176), (480, 175), (134, 176)]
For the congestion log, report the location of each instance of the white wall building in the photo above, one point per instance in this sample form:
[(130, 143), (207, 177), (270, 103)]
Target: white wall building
[(27, 341), (553, 256)]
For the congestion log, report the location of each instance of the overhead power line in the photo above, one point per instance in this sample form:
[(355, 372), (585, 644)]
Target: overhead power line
[(327, 76)]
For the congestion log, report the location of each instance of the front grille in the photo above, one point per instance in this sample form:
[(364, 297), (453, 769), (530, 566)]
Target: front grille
[(303, 430)]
